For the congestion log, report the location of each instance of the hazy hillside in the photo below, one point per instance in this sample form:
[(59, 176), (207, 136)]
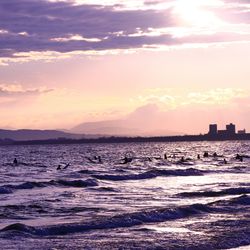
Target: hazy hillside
[(144, 121), (27, 134)]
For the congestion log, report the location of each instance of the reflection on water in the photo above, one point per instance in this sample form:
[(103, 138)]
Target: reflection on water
[(149, 201)]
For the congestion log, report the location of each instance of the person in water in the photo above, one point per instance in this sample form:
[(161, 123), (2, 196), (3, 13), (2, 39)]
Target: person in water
[(15, 161), (66, 166), (96, 160), (239, 157), (215, 154), (165, 156), (205, 154), (198, 157), (182, 159), (91, 160), (225, 161), (99, 159), (126, 160)]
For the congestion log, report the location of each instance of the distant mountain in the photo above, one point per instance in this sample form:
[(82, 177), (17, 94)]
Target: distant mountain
[(28, 134), (119, 128), (109, 127), (144, 121)]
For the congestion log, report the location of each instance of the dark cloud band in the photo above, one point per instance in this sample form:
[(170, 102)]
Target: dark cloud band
[(39, 25)]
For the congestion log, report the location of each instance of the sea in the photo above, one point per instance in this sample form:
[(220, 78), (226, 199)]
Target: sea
[(125, 196)]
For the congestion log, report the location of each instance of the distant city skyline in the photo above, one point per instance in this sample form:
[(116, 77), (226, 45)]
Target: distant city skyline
[(228, 131), (140, 67)]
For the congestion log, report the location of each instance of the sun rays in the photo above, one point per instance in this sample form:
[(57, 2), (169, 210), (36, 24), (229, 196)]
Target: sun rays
[(196, 12)]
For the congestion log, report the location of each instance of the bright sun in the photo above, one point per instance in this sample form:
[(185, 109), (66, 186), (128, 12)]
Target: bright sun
[(193, 12)]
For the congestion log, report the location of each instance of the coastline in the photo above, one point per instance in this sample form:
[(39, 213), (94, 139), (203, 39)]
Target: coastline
[(116, 139)]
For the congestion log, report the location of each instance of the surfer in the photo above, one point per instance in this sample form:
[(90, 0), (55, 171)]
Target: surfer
[(198, 157), (15, 161), (205, 154), (99, 159), (239, 157), (165, 156), (58, 167), (90, 160), (66, 166), (96, 160), (182, 159), (215, 154), (126, 160), (225, 161)]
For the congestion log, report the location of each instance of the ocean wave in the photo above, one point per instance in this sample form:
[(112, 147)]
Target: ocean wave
[(123, 220), (229, 191), (151, 174), (133, 219), (27, 185), (243, 200), (78, 183), (107, 189), (11, 164), (5, 190), (67, 183), (85, 171)]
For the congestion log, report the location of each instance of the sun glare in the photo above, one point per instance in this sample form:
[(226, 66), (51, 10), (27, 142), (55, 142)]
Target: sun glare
[(194, 12)]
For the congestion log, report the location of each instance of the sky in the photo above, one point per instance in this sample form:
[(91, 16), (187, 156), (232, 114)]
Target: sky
[(148, 66)]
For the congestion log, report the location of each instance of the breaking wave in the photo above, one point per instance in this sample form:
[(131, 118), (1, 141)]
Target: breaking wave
[(229, 191), (151, 174), (130, 219), (67, 183)]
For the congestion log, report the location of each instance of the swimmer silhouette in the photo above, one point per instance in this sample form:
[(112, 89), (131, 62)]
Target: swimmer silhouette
[(99, 159), (165, 156), (239, 157), (126, 160), (66, 166), (215, 154), (205, 154), (90, 160), (59, 167), (15, 161)]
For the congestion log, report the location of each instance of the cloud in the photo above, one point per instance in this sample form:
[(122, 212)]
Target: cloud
[(213, 97), (19, 91), (44, 23), (235, 11), (31, 29)]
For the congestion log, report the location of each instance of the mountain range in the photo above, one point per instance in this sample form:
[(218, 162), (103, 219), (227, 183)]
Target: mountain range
[(29, 134), (144, 121)]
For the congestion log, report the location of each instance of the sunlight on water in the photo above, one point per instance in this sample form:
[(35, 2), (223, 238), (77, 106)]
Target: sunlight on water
[(146, 199)]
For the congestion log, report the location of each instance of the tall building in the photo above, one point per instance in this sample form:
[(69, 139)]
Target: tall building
[(231, 130), (213, 129), (242, 132)]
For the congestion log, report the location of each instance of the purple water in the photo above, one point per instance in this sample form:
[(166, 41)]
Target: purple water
[(149, 203)]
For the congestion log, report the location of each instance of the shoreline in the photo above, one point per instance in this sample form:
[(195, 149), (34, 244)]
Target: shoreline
[(114, 139)]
